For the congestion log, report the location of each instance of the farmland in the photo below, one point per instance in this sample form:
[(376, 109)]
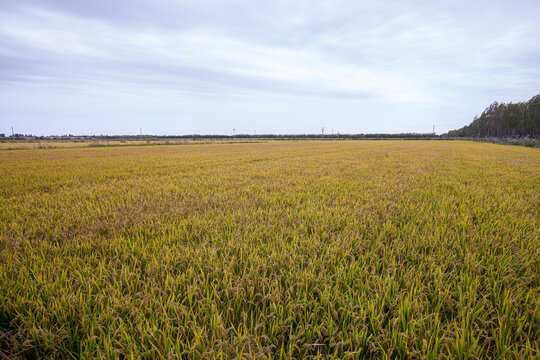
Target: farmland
[(329, 249)]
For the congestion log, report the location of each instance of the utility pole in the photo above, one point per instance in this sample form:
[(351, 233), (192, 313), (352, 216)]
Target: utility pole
[(322, 131), (140, 131), (433, 129), (12, 132), (233, 132)]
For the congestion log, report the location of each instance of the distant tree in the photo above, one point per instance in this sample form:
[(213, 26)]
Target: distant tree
[(505, 120)]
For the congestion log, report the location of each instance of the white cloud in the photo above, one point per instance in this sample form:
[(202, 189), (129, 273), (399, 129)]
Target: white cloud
[(397, 64)]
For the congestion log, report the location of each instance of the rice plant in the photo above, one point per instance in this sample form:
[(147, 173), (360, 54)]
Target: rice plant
[(277, 250)]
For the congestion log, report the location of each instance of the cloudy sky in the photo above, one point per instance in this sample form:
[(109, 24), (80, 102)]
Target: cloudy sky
[(206, 67)]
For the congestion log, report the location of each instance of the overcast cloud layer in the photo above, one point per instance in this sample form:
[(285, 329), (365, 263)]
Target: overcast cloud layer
[(184, 67)]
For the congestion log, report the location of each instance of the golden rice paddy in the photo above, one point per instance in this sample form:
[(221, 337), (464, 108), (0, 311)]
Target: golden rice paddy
[(277, 250)]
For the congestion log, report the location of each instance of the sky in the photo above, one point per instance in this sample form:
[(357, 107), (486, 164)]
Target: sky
[(281, 67)]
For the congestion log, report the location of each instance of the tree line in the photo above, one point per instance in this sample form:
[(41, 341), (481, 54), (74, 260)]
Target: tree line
[(270, 136), (520, 119)]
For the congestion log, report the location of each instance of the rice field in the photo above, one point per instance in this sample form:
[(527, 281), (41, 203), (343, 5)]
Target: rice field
[(277, 250)]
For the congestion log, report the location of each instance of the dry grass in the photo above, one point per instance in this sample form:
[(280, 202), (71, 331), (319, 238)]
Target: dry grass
[(59, 144), (34, 144), (371, 249)]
